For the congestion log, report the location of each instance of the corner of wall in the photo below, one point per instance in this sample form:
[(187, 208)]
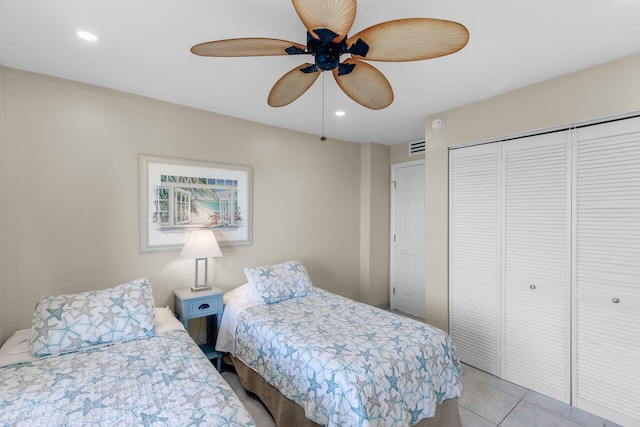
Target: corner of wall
[(437, 231), (375, 197), (365, 220), (4, 334)]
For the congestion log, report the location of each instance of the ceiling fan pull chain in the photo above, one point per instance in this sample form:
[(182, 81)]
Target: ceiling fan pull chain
[(323, 138)]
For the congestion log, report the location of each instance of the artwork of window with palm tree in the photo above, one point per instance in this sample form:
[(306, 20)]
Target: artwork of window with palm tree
[(182, 202)]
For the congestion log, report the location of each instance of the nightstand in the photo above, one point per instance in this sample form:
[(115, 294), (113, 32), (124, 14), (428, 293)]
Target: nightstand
[(193, 305)]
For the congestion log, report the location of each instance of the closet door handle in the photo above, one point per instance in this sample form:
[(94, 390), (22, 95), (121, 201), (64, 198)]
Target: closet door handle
[(532, 287), (615, 300)]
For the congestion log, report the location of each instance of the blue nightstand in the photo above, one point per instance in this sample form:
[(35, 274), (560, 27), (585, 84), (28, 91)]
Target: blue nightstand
[(192, 305)]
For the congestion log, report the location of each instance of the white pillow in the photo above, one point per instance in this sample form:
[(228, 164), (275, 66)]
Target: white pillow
[(16, 348), (244, 293), (18, 343), (166, 321)]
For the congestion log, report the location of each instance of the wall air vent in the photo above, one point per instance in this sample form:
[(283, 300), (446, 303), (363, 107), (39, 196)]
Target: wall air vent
[(416, 147)]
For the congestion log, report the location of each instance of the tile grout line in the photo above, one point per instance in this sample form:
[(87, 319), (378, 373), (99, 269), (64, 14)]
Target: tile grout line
[(475, 413), (604, 423), (512, 409)]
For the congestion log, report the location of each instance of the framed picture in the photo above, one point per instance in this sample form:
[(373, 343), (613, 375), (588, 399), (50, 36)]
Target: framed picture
[(178, 196)]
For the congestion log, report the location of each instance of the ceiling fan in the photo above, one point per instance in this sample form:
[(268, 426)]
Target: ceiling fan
[(327, 23)]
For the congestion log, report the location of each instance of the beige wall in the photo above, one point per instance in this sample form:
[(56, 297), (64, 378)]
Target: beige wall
[(4, 328), (69, 177), (375, 178), (608, 89)]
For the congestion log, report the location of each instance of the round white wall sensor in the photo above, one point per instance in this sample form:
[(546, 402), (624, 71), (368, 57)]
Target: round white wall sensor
[(437, 124)]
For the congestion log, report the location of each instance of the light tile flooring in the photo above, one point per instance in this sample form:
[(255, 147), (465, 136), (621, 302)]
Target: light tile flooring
[(487, 401)]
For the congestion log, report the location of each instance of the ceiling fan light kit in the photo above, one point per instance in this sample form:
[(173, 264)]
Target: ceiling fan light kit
[(327, 23)]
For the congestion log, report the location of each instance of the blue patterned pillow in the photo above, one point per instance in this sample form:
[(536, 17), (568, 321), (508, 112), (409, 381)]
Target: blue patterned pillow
[(280, 281), (66, 323)]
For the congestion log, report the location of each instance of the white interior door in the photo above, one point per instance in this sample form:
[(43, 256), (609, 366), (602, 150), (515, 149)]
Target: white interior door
[(408, 240)]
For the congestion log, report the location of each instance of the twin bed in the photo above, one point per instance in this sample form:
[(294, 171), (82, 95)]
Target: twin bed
[(313, 358), (152, 374)]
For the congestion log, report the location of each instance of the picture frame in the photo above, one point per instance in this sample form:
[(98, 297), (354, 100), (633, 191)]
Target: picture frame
[(178, 196)]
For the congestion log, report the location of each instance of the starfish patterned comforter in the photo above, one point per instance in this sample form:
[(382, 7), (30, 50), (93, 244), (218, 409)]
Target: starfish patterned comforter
[(349, 364), (161, 380)]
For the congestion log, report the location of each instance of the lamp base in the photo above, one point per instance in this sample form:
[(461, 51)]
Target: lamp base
[(200, 288)]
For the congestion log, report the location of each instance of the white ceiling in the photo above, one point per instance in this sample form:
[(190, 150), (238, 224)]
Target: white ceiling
[(143, 48)]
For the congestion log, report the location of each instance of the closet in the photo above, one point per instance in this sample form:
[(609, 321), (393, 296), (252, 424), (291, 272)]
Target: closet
[(544, 264)]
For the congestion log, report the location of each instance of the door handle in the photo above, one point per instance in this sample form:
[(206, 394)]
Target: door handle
[(203, 306)]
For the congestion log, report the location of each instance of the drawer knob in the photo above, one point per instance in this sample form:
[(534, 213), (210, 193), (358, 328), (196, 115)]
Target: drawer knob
[(203, 306), (615, 300), (532, 287)]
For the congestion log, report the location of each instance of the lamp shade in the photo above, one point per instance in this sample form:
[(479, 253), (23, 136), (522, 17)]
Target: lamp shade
[(201, 244)]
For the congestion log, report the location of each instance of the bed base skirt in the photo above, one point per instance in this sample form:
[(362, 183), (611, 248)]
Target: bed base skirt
[(287, 413)]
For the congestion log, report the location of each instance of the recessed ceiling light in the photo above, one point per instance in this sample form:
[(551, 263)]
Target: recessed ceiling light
[(340, 113), (86, 35)]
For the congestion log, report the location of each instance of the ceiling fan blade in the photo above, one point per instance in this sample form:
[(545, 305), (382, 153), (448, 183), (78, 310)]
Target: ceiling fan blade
[(365, 84), (410, 39), (246, 47), (292, 85), (334, 15)]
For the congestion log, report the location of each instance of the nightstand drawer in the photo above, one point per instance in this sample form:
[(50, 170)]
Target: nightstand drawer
[(205, 306)]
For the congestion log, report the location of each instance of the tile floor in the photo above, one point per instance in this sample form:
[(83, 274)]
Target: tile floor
[(487, 401)]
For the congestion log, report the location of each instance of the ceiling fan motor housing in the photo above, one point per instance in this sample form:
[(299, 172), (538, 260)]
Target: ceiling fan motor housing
[(326, 52)]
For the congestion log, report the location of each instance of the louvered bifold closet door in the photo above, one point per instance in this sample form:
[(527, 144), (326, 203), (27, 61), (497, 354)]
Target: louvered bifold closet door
[(536, 340), (474, 254), (607, 271)]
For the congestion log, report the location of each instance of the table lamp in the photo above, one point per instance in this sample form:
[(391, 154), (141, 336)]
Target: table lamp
[(201, 245)]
